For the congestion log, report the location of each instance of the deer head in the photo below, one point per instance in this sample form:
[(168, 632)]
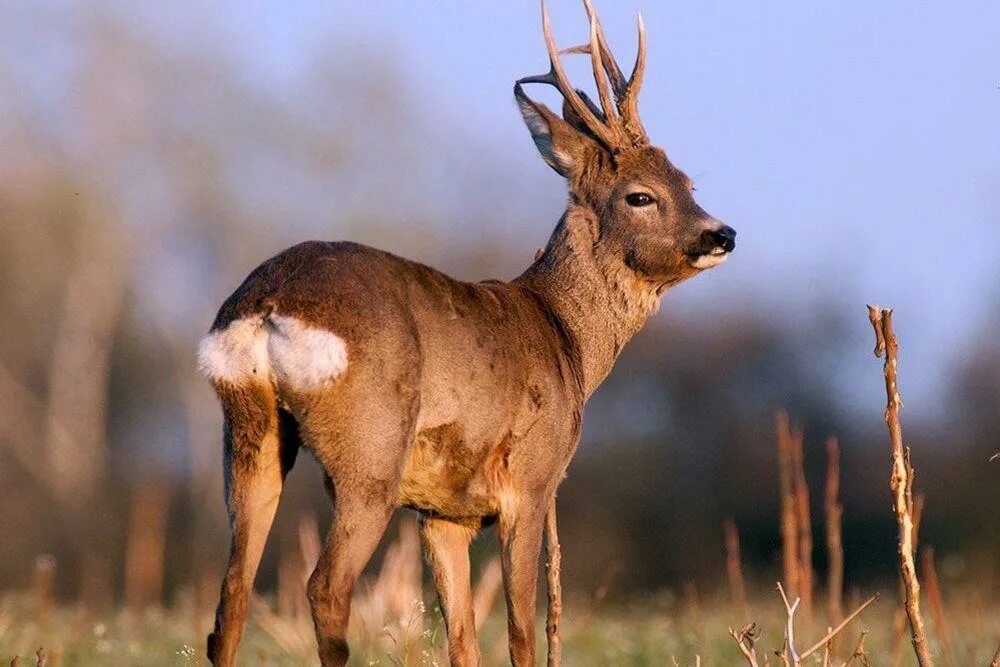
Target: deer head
[(644, 207)]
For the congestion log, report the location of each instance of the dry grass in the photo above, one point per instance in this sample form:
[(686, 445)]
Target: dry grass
[(649, 632)]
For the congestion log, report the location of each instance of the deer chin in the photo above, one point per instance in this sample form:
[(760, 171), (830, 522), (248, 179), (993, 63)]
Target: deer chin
[(709, 259)]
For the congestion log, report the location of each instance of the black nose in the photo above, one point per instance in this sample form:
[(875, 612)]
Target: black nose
[(723, 237)]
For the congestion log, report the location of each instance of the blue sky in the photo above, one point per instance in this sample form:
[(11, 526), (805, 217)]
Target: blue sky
[(855, 146)]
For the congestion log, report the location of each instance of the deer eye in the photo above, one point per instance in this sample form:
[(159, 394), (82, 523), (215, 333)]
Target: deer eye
[(639, 199)]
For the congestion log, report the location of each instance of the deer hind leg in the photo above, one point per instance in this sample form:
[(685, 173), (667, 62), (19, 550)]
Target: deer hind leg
[(446, 545), (520, 532), (261, 443), (360, 435)]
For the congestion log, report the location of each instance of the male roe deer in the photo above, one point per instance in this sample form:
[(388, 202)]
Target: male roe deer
[(460, 400)]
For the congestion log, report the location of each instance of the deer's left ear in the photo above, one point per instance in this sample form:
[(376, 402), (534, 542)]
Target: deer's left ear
[(561, 145)]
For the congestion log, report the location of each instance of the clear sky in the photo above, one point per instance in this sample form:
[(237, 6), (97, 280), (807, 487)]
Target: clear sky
[(855, 146)]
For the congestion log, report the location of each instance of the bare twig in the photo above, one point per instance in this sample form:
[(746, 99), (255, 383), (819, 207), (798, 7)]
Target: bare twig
[(859, 652), (734, 567), (746, 640), (834, 544), (555, 586), (843, 624), (901, 482), (789, 525), (788, 652), (996, 658)]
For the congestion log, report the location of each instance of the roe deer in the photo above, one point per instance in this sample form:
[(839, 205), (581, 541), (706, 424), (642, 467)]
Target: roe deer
[(460, 400)]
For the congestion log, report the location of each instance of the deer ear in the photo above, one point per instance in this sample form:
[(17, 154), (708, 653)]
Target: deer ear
[(561, 145)]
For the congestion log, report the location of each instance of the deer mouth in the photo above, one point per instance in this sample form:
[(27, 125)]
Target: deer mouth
[(707, 260)]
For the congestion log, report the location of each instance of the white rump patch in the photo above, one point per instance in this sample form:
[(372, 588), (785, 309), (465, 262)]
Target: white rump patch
[(707, 261), (235, 354), (276, 348), (305, 357)]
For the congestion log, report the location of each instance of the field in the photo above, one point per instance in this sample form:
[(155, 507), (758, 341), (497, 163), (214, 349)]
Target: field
[(656, 631)]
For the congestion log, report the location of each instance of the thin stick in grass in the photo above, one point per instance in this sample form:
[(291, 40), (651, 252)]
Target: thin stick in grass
[(746, 640), (555, 586), (788, 654), (901, 482), (843, 624), (859, 652)]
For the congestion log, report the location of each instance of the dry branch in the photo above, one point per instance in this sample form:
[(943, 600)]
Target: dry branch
[(555, 586), (746, 640), (834, 544), (996, 658), (859, 652), (843, 624), (901, 482), (788, 653)]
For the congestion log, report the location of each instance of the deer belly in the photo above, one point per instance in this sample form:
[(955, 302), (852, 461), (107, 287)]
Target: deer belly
[(447, 475)]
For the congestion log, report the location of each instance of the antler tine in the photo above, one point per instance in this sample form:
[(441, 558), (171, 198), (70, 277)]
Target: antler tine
[(610, 64), (603, 89), (629, 102), (557, 77)]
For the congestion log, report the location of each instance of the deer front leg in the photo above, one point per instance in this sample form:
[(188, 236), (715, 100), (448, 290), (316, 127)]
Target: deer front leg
[(446, 545), (520, 533)]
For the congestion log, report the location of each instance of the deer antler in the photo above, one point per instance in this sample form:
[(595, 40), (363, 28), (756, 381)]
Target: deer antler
[(626, 92), (620, 126)]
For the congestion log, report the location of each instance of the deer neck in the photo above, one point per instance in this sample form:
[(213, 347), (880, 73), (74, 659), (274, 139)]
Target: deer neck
[(600, 301)]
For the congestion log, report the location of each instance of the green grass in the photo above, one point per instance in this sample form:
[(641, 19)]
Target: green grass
[(656, 631)]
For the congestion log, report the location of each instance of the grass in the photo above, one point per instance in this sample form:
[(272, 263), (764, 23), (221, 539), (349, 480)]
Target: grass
[(654, 631)]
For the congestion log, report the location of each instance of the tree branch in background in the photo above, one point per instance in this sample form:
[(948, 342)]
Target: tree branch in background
[(555, 586), (802, 516), (786, 482), (901, 482), (834, 544)]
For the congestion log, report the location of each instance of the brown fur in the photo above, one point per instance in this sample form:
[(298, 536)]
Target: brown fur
[(461, 400)]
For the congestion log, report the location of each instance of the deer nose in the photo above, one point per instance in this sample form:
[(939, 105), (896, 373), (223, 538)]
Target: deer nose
[(724, 237)]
